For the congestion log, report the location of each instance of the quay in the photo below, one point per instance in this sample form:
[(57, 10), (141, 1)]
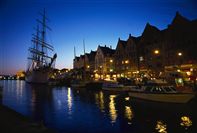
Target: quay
[(13, 122)]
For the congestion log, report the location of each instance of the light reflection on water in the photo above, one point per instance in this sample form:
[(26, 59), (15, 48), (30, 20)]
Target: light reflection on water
[(186, 122), (128, 113), (112, 108), (161, 127), (99, 98), (69, 97), (79, 110)]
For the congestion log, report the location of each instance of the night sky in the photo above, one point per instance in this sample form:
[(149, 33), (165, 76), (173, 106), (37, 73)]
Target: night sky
[(98, 22)]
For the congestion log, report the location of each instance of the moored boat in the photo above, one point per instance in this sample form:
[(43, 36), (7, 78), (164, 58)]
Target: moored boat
[(78, 84), (114, 86), (41, 61), (161, 94)]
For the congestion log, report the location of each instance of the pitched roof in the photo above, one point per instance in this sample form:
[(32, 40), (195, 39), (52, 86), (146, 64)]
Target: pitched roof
[(106, 50), (122, 42), (76, 58), (91, 55), (150, 29), (179, 19), (135, 39)]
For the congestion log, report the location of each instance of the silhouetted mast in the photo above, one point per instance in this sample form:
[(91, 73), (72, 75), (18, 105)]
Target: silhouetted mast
[(39, 51), (84, 60), (74, 52)]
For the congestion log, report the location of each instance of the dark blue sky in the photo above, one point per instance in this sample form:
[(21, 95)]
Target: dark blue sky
[(98, 22)]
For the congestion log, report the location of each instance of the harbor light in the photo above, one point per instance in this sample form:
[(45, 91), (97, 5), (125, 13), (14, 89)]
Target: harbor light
[(179, 54), (141, 58), (188, 73), (126, 98), (186, 122), (156, 52)]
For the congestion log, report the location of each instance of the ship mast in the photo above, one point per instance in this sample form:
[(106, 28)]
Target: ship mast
[(74, 52), (84, 60), (43, 32), (37, 37), (38, 53), (43, 38)]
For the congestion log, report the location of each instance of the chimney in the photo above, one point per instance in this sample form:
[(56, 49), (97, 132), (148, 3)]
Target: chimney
[(105, 45), (110, 47)]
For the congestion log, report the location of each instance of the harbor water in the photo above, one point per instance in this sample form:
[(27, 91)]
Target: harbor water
[(73, 110)]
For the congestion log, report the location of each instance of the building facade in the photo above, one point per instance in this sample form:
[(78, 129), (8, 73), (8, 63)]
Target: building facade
[(152, 52), (104, 62)]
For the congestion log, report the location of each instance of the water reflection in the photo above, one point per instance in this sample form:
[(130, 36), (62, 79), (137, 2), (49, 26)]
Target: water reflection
[(128, 114), (186, 122), (161, 127), (69, 100), (73, 110), (19, 89), (99, 98), (112, 109)]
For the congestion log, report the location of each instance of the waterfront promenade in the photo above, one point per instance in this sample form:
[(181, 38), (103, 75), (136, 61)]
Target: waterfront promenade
[(13, 122)]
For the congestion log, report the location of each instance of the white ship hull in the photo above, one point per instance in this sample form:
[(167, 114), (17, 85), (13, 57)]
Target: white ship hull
[(37, 76), (170, 98)]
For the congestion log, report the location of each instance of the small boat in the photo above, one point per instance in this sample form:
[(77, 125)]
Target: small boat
[(78, 84), (161, 94), (114, 86)]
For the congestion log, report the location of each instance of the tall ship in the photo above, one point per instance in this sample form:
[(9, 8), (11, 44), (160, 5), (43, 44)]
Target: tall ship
[(41, 58)]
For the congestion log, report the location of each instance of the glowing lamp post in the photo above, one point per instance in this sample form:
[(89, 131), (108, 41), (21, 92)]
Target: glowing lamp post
[(179, 54), (156, 52)]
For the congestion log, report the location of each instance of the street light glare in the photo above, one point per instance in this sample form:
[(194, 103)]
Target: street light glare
[(179, 54), (156, 51), (127, 61)]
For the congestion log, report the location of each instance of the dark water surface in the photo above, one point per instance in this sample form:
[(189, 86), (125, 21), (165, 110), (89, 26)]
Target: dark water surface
[(74, 110)]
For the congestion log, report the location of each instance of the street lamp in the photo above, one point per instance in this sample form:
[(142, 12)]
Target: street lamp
[(156, 52), (111, 61), (126, 62), (180, 54)]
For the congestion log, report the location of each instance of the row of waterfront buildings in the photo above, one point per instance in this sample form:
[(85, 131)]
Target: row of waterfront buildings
[(154, 51)]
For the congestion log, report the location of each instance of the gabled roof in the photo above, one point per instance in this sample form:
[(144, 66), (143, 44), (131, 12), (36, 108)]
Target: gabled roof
[(91, 55), (149, 29), (107, 51), (82, 56), (76, 58), (179, 19), (122, 42), (135, 39)]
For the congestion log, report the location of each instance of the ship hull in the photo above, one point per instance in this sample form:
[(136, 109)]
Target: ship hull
[(169, 98), (37, 76)]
